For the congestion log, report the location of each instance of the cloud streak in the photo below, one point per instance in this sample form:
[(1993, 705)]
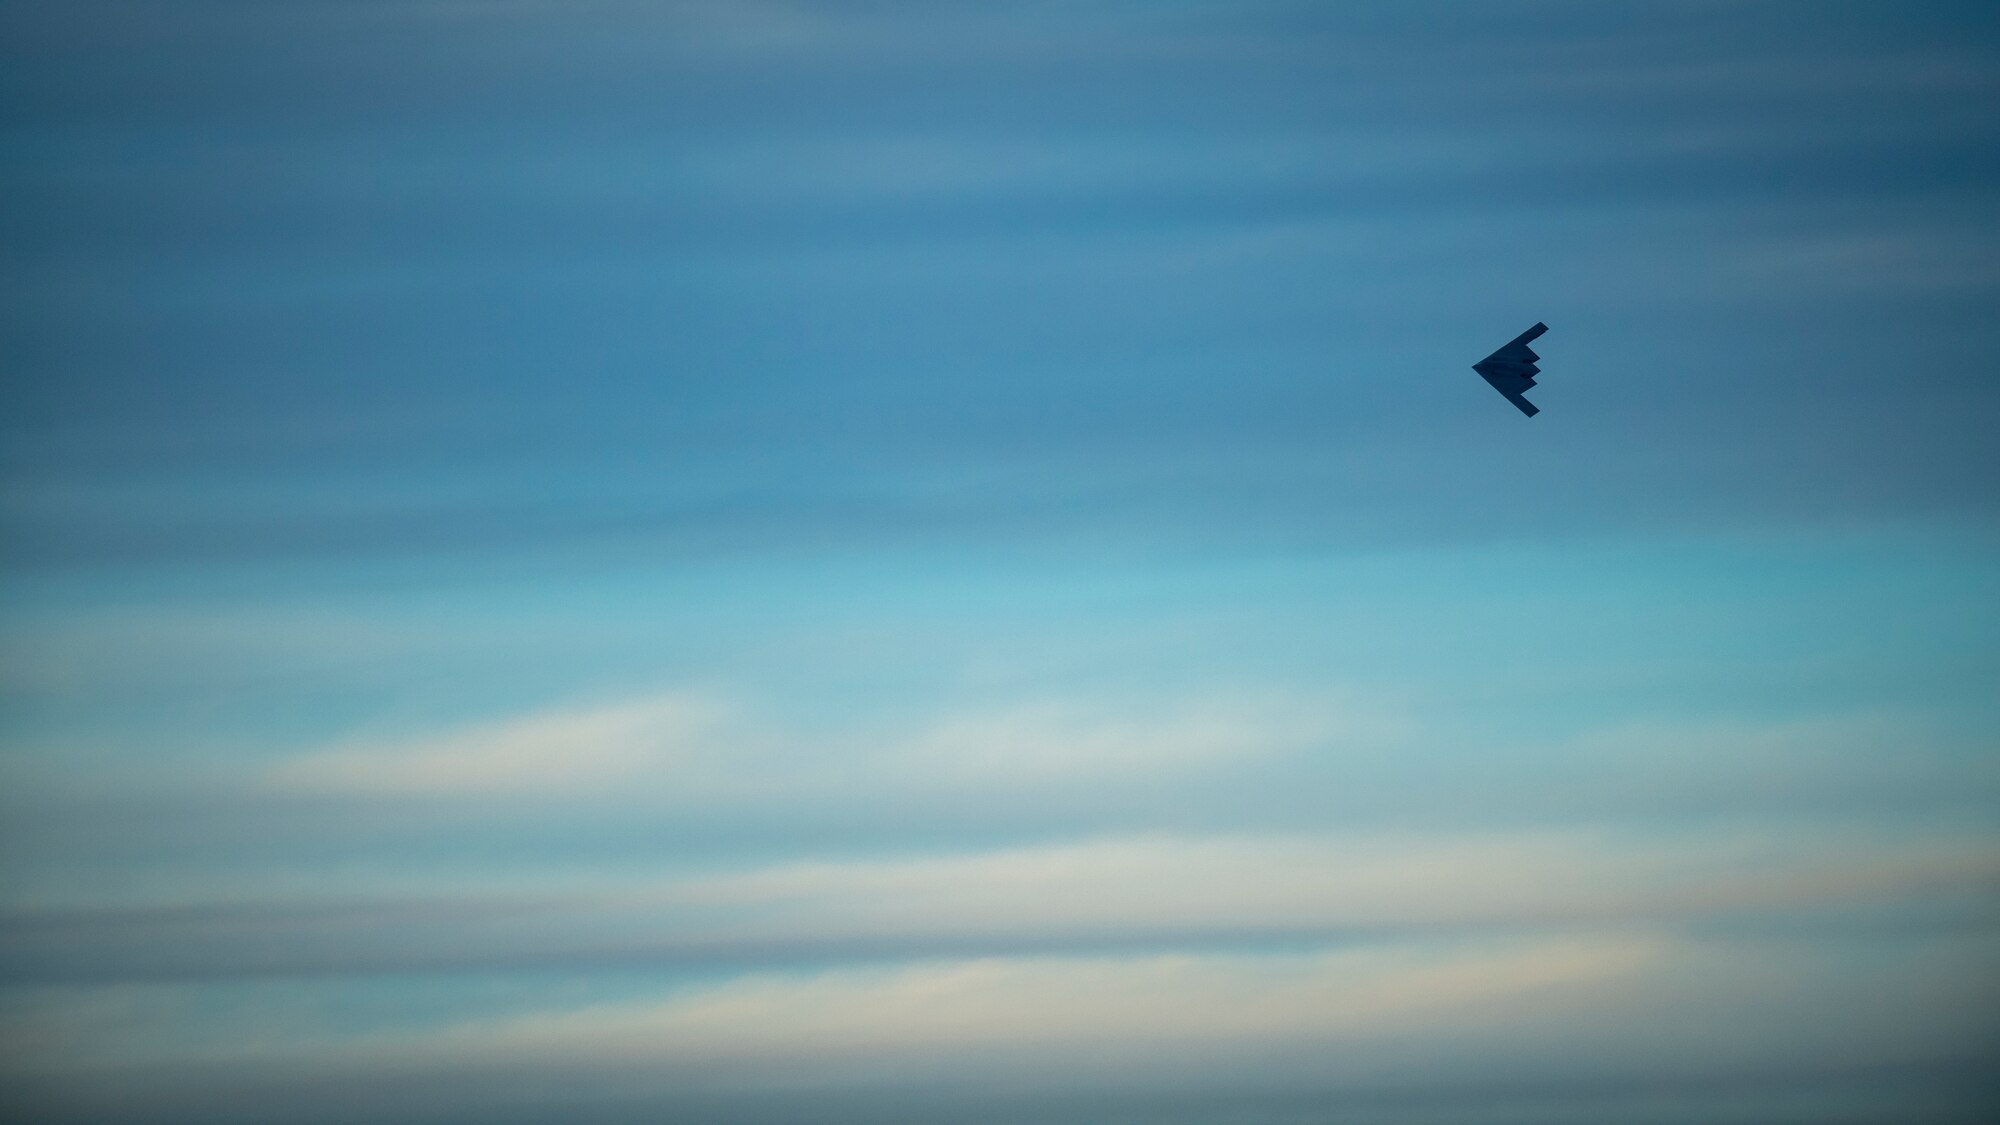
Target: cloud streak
[(565, 750), (1149, 892), (688, 746), (1568, 1021)]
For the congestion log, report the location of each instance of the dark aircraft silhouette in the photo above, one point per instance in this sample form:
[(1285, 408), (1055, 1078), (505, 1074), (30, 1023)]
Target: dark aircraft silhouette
[(1512, 369)]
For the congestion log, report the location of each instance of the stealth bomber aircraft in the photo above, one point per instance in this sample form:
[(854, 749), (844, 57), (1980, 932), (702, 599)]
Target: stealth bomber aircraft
[(1512, 369)]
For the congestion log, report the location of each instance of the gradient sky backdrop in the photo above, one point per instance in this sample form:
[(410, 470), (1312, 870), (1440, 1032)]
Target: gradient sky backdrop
[(868, 562)]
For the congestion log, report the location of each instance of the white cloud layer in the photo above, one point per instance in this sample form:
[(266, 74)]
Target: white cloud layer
[(1155, 892), (696, 744), (551, 750), (1060, 1003)]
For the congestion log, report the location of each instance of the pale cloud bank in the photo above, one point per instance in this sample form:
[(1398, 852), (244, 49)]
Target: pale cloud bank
[(1158, 893), (1567, 1009), (698, 744), (1063, 740), (1064, 1002), (560, 750), (1332, 883), (806, 1020), (1371, 760)]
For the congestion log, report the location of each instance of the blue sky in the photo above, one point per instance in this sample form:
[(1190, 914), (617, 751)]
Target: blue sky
[(900, 561)]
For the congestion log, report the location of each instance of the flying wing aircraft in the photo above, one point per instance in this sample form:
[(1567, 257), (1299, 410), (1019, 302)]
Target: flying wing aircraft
[(1512, 369)]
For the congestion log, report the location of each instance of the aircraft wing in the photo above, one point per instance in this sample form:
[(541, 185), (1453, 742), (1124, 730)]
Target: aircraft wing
[(1512, 369)]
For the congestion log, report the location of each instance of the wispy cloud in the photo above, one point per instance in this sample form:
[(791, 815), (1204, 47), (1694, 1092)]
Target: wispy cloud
[(1150, 892), (1472, 1031), (553, 751), (1056, 740), (1062, 1002), (721, 748)]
